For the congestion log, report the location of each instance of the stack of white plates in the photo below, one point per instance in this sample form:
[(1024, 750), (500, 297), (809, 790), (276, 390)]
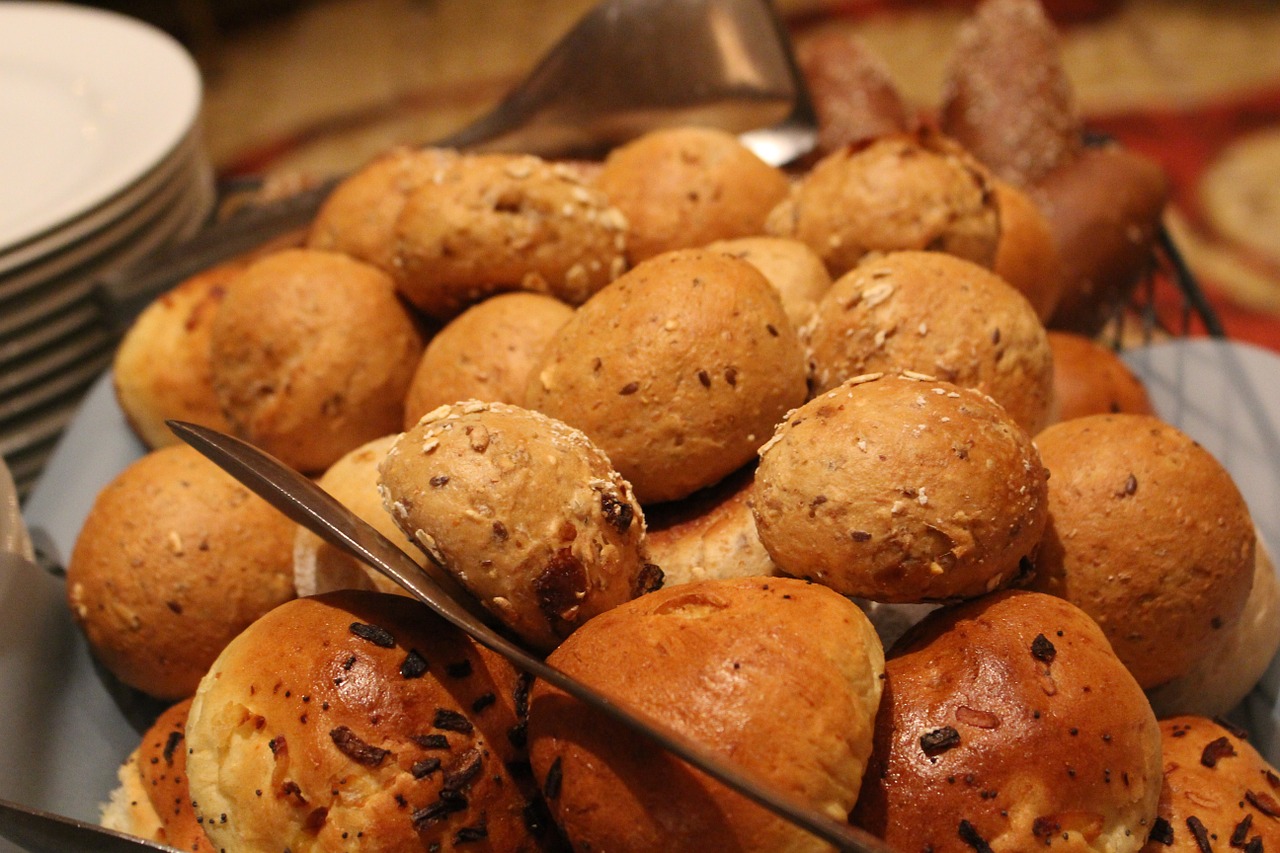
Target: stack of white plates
[(101, 162)]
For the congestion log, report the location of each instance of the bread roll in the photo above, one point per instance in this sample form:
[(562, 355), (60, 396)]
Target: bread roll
[(794, 270), (359, 719), (901, 489), (936, 314), (905, 191), (1007, 725), (1149, 535), (485, 353), (1027, 254), (312, 356), (523, 511), (778, 676), (678, 371), (1219, 793), (174, 559), (683, 187), (1092, 379)]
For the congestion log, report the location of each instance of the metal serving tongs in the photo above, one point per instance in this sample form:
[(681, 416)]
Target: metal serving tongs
[(627, 67), (306, 503)]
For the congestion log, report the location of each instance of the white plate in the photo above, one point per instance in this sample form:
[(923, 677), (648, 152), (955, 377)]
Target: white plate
[(91, 101), (1212, 390)]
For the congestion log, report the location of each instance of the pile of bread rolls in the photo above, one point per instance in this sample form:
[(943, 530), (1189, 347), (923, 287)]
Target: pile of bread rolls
[(821, 467)]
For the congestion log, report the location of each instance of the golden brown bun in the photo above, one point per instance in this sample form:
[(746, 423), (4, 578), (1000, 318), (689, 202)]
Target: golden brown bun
[(1239, 656), (358, 718), (906, 191), (174, 559), (1104, 208), (936, 314), (710, 534), (683, 187), (779, 676), (901, 489), (853, 93), (493, 222), (1092, 379), (523, 511), (312, 355), (485, 353), (129, 808), (1149, 535), (1009, 725), (794, 270), (161, 369), (678, 371), (1027, 256), (1006, 96), (353, 481), (1219, 793)]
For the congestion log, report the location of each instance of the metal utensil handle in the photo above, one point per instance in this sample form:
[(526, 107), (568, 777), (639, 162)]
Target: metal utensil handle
[(45, 832), (309, 505)]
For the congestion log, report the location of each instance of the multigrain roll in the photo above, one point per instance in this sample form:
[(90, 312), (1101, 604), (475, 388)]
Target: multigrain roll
[(174, 559), (522, 510), (312, 354), (678, 371), (794, 270), (905, 191), (487, 223), (1149, 535), (1091, 379), (154, 797), (901, 488), (683, 187), (485, 353), (936, 314), (360, 718), (1218, 794), (1007, 725), (780, 676)]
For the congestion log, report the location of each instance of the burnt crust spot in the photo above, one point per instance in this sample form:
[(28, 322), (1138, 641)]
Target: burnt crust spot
[(939, 740), (1161, 832), (378, 636), (1042, 649), (970, 836)]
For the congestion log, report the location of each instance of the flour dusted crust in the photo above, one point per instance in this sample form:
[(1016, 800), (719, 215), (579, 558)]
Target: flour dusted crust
[(684, 187), (678, 371), (781, 676), (794, 270), (359, 719), (485, 353), (312, 354), (901, 489), (1218, 794), (174, 559), (903, 191), (487, 223), (1008, 724), (524, 511), (940, 315), (1090, 378), (1148, 534)]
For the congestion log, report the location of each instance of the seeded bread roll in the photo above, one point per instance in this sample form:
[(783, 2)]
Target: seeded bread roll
[(1007, 725), (901, 489), (1027, 255), (710, 534), (485, 353), (935, 314), (359, 718), (524, 511), (312, 354), (1219, 793), (1092, 379), (1149, 535), (779, 676), (162, 368), (905, 191), (677, 371), (174, 559), (683, 187), (794, 270), (487, 223)]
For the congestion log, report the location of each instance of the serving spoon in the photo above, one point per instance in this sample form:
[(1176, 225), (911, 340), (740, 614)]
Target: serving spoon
[(627, 67), (306, 503)]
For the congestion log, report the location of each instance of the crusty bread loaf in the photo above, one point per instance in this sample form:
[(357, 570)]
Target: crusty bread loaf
[(778, 676)]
